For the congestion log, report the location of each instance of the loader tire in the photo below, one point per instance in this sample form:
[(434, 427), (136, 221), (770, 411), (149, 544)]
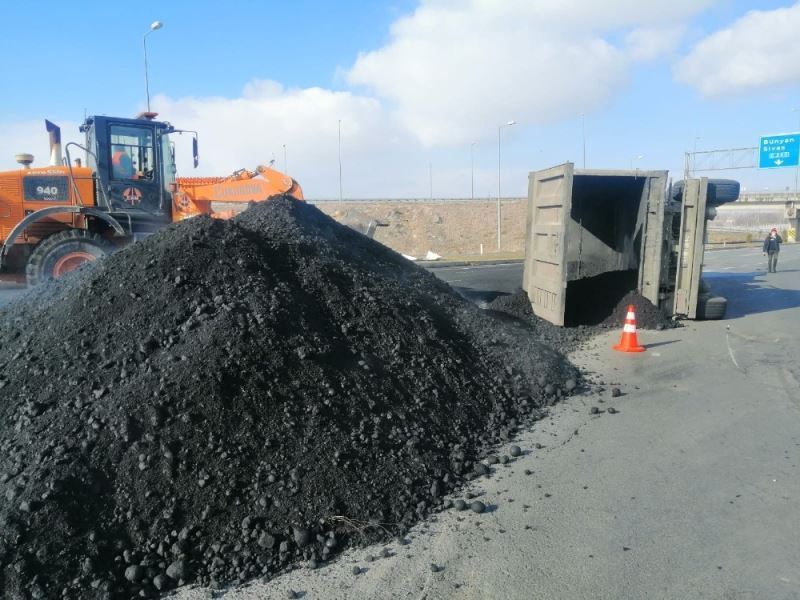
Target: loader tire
[(711, 307), (63, 252)]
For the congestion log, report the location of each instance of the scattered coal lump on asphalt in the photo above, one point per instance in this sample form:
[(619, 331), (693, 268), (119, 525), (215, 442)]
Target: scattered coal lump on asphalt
[(228, 398)]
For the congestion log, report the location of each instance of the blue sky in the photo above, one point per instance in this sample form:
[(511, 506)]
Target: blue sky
[(414, 83)]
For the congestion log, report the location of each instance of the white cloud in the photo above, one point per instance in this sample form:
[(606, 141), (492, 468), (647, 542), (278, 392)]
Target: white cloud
[(30, 137), (648, 43), (450, 73), (253, 129), (454, 70), (760, 50)]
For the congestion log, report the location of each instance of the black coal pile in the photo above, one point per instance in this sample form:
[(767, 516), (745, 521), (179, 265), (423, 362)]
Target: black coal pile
[(648, 316), (518, 306), (591, 300), (225, 399), (598, 311)]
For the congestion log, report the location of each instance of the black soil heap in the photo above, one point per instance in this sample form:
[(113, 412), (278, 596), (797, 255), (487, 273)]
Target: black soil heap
[(225, 399), (518, 306), (648, 316)]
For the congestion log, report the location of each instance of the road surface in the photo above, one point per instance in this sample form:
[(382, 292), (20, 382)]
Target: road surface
[(690, 491)]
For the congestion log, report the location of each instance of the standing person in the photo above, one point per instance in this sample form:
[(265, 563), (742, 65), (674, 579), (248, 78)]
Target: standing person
[(772, 247)]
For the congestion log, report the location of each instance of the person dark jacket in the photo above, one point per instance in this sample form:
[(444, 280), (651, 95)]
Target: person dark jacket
[(772, 245)]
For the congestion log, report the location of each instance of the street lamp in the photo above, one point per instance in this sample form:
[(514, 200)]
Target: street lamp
[(639, 157), (285, 168), (499, 129), (340, 160), (694, 156), (472, 169), (153, 26)]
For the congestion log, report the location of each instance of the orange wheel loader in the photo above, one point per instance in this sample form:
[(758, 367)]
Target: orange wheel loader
[(55, 218)]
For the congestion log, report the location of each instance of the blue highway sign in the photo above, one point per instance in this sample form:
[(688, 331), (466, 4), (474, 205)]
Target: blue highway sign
[(777, 151)]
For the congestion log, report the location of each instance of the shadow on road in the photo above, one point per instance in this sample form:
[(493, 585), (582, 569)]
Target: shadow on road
[(657, 344), (752, 293), (478, 296)]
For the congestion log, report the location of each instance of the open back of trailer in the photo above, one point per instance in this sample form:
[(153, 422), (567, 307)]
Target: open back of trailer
[(594, 235)]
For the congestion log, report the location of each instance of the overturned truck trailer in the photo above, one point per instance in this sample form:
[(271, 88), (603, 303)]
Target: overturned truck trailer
[(594, 235)]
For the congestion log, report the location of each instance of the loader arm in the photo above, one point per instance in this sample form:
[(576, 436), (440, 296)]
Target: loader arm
[(225, 197)]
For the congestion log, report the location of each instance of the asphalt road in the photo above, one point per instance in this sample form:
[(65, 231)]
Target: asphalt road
[(690, 491), (730, 272)]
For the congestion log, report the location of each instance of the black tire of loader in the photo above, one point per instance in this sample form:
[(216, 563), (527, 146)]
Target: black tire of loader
[(44, 257)]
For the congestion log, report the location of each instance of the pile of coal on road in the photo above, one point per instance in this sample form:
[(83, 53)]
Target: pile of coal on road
[(228, 398), (518, 306), (566, 339)]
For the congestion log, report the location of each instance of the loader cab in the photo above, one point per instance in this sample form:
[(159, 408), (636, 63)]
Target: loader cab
[(134, 166)]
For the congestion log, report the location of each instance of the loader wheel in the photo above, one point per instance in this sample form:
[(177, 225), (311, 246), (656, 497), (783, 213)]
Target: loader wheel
[(64, 252)]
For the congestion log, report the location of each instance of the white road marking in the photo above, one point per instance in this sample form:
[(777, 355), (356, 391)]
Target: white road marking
[(730, 351)]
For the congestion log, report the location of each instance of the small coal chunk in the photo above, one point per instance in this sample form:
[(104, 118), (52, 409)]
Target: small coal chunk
[(135, 573), (477, 506)]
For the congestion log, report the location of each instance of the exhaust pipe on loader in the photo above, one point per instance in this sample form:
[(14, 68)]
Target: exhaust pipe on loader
[(54, 130)]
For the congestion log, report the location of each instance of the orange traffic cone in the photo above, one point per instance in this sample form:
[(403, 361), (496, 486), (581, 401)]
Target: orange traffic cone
[(629, 343)]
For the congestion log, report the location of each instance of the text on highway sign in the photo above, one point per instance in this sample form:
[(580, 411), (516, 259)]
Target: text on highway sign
[(781, 150)]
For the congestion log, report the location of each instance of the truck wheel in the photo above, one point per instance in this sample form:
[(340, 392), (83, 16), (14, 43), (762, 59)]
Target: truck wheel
[(711, 307), (64, 252), (720, 191)]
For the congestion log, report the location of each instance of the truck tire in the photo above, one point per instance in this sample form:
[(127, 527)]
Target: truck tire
[(63, 252), (720, 191), (711, 307)]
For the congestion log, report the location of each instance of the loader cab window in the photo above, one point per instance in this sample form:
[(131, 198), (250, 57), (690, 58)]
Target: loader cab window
[(168, 160), (132, 153)]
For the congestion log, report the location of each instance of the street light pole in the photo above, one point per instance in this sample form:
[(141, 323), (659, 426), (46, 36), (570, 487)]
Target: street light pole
[(694, 156), (153, 26), (430, 179), (639, 157), (340, 160), (499, 210), (583, 135), (285, 168), (472, 169)]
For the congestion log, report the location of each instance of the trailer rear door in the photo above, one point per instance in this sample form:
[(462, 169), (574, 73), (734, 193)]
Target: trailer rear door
[(691, 246), (653, 247), (548, 217)]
